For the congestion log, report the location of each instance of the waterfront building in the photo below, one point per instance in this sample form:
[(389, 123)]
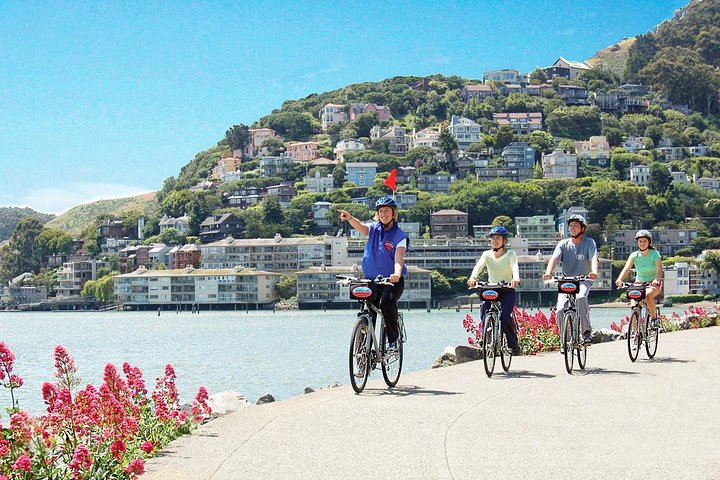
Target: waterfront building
[(206, 288), (318, 287), (665, 241), (276, 254), (75, 273)]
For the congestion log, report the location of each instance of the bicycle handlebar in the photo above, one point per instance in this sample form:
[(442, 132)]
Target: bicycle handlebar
[(576, 278), (379, 280), (635, 284), (479, 285)]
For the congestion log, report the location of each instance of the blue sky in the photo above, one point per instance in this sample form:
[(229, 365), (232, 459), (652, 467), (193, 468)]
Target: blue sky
[(107, 99)]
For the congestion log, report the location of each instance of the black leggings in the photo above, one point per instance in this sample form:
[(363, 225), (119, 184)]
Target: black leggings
[(387, 300)]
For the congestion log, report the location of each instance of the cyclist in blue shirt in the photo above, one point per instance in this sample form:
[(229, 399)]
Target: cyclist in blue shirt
[(384, 255)]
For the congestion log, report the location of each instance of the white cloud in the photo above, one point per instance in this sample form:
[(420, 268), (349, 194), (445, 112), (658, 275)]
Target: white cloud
[(59, 200), (568, 32)]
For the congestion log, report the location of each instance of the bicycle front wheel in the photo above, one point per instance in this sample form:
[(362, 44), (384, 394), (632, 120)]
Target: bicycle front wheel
[(488, 344), (392, 361), (633, 335), (582, 355), (359, 361), (505, 353), (568, 343), (651, 339)]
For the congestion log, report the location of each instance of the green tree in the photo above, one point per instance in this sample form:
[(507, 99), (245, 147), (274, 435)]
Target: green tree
[(578, 123), (448, 146), (503, 221), (286, 287), (274, 145), (503, 138), (660, 179), (440, 284), (52, 241), (21, 254), (238, 137)]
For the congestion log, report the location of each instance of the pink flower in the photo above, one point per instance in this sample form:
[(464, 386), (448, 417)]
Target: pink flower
[(147, 447), (136, 467), (23, 463), (117, 449), (4, 447), (471, 341), (81, 459)]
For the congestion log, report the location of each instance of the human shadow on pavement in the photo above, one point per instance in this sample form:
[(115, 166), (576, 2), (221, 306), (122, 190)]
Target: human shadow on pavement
[(667, 360), (604, 371), (524, 374), (405, 390)]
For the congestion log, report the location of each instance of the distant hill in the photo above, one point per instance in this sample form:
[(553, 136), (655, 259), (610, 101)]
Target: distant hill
[(78, 217), (614, 57), (10, 216)]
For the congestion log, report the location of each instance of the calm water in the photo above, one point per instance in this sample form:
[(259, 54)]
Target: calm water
[(252, 353)]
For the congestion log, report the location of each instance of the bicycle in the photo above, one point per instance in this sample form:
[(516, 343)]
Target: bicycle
[(364, 345), (492, 328), (639, 328), (571, 340)]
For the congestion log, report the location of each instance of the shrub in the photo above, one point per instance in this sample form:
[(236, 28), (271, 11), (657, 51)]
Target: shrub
[(104, 432), (536, 333)]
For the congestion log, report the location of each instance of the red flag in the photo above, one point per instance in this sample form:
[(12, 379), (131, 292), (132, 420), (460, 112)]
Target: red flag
[(390, 181)]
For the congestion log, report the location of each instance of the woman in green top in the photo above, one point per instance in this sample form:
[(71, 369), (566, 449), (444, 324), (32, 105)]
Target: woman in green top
[(648, 268), (502, 266)]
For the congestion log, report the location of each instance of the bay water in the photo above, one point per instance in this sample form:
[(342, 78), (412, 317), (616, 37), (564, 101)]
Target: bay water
[(252, 353)]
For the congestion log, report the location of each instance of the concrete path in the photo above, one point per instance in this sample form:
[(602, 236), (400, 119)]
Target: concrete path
[(652, 419)]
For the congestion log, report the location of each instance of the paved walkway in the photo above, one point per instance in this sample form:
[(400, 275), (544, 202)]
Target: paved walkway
[(656, 419)]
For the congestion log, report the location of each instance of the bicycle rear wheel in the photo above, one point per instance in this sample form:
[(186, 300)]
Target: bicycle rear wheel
[(392, 361), (633, 335), (488, 344), (359, 361), (505, 353), (569, 321), (651, 338)]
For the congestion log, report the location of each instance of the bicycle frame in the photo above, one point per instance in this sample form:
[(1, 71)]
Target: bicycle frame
[(369, 342), (570, 286), (636, 292)]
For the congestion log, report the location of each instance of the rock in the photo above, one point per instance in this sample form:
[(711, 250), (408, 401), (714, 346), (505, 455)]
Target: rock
[(267, 398), (308, 390), (334, 385), (606, 335), (446, 359), (225, 402), (466, 353)]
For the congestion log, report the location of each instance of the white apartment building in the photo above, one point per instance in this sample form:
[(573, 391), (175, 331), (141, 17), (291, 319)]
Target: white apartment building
[(559, 164), (189, 286)]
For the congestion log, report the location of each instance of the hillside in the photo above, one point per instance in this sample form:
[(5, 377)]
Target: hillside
[(614, 57), (10, 216), (78, 217)]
